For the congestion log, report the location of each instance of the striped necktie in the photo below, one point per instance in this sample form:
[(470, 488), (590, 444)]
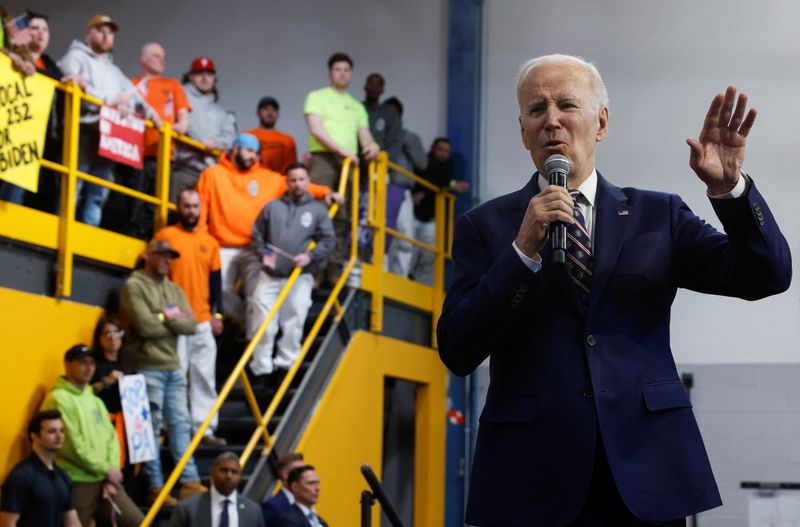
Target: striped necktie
[(579, 252)]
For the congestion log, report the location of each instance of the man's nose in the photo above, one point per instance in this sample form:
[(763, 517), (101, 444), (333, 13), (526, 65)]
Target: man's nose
[(552, 116)]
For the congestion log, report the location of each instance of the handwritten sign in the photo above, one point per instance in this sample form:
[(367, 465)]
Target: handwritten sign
[(24, 111), (121, 138), (138, 423)]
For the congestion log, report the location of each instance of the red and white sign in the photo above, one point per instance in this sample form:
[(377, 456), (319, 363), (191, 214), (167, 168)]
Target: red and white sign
[(121, 138)]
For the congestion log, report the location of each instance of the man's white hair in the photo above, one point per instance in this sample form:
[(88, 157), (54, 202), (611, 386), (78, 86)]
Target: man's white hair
[(598, 87)]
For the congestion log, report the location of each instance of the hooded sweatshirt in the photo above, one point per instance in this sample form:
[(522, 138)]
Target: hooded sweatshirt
[(232, 198), (153, 345), (104, 79), (90, 447), (290, 225), (209, 121)]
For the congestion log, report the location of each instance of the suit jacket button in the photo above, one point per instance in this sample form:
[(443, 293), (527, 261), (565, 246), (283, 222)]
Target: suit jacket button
[(590, 340), (588, 393), (759, 214)]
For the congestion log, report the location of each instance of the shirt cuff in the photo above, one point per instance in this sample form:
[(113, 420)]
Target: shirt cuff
[(737, 191), (530, 263)]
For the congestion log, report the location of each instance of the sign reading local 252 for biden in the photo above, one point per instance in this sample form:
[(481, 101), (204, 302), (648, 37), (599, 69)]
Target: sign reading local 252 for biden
[(24, 111)]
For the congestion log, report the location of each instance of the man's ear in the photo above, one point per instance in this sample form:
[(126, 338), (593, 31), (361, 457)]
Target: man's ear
[(602, 124)]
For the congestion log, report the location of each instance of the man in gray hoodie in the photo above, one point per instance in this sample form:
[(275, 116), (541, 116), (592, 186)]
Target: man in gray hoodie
[(209, 122), (281, 234), (92, 63)]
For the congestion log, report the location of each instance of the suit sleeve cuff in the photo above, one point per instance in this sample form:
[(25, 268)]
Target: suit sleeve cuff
[(737, 191), (530, 263)]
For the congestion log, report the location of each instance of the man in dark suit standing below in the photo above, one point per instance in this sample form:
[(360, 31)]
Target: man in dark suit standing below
[(586, 421), (304, 485), (222, 505), (274, 507)]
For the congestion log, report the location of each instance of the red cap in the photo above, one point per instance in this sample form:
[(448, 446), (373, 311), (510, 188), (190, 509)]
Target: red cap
[(203, 64)]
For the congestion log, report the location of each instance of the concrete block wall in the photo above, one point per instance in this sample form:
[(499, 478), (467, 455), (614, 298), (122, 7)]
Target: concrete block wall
[(749, 415)]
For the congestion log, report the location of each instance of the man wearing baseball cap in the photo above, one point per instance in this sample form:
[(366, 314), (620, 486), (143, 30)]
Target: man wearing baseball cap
[(278, 149), (91, 61), (232, 194), (90, 455), (209, 123), (158, 312)]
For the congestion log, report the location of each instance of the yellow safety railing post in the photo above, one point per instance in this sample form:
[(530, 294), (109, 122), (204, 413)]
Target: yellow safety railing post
[(315, 329), (438, 264), (69, 154), (239, 371), (379, 241), (164, 160), (372, 177)]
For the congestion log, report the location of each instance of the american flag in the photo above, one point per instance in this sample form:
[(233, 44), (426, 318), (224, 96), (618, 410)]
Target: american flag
[(19, 34)]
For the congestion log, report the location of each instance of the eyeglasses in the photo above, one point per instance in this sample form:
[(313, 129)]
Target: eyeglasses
[(111, 334)]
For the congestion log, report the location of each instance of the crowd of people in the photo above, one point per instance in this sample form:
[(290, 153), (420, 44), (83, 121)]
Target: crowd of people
[(74, 476), (247, 209), (339, 127)]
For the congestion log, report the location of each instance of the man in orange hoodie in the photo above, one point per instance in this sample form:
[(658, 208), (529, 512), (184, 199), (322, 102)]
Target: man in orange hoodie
[(232, 193)]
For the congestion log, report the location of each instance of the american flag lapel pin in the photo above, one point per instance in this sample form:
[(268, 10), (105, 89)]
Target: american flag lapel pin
[(622, 212)]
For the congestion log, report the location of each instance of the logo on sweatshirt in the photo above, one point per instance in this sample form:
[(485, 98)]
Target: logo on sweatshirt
[(305, 219), (252, 187)]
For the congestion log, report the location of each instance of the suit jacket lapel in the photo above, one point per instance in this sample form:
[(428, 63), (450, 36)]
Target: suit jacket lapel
[(558, 274), (612, 219)]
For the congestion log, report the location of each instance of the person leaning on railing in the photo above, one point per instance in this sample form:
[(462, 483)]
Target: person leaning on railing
[(439, 172), (412, 157), (37, 61), (281, 233), (91, 64), (209, 123)]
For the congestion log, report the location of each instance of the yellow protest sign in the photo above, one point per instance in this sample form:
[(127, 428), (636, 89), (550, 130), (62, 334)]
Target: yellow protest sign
[(24, 111)]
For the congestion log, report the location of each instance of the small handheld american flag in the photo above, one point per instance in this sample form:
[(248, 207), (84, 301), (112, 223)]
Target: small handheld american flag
[(269, 258), (19, 35)]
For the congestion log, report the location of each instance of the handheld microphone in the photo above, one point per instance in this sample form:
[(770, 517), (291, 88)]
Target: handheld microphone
[(557, 168)]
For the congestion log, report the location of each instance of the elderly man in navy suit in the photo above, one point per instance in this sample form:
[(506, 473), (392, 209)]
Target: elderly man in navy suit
[(222, 505), (586, 421)]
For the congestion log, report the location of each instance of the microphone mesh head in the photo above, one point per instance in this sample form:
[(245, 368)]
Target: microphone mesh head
[(556, 162)]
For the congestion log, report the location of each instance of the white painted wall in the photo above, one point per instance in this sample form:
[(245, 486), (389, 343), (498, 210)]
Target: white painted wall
[(663, 62), (280, 48)]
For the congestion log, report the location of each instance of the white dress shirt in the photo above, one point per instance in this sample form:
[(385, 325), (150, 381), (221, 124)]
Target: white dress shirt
[(586, 203), (217, 500), (288, 494)]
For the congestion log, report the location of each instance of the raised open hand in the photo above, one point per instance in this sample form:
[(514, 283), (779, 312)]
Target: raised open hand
[(718, 154)]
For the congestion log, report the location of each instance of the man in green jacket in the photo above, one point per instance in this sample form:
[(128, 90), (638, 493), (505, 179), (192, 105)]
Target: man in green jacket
[(90, 455), (158, 312)]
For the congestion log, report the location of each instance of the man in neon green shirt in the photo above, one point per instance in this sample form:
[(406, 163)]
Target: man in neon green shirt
[(337, 124), (90, 455)]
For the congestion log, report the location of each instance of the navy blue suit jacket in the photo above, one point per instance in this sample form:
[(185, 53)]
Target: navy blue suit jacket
[(273, 508), (293, 517), (559, 374)]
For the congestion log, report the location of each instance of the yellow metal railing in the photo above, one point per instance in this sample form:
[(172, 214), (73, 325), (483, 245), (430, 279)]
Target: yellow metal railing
[(376, 219), (377, 185), (68, 169), (239, 370)]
